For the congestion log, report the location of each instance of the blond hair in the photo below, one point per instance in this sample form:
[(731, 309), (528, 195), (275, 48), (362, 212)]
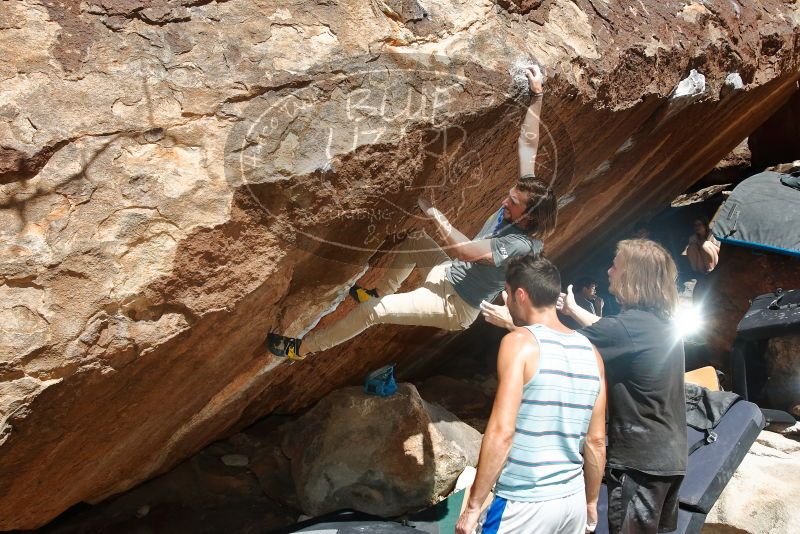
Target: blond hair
[(646, 277)]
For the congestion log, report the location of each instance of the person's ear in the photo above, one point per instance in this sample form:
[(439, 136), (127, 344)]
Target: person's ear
[(520, 295)]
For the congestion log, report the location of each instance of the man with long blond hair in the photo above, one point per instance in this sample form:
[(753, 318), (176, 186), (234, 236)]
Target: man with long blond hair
[(644, 364)]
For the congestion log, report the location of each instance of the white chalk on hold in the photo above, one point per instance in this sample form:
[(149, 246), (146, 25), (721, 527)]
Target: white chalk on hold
[(627, 145), (565, 200), (734, 81), (598, 171), (736, 9), (327, 166), (692, 85), (518, 76)]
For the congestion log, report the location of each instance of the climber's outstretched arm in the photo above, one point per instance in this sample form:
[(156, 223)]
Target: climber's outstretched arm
[(457, 245), (528, 143)]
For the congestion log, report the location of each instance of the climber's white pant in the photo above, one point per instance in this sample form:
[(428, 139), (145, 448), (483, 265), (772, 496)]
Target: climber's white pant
[(435, 304)]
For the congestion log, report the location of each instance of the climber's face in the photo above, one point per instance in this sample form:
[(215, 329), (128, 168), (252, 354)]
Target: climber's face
[(514, 205)]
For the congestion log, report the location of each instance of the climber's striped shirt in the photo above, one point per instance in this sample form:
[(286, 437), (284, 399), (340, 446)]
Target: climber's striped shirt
[(545, 460)]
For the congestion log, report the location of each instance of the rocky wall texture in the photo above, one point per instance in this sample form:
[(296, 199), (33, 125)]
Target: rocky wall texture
[(178, 177), (758, 499), (741, 275), (778, 139)]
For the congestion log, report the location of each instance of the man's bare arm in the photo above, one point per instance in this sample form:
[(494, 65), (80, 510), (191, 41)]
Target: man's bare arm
[(594, 447), (456, 244), (528, 143), (515, 348)]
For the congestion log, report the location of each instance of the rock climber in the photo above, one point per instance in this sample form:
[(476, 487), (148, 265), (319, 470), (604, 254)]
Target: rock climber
[(464, 271)]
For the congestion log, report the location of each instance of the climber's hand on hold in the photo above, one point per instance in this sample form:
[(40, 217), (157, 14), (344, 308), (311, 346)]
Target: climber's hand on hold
[(535, 80)]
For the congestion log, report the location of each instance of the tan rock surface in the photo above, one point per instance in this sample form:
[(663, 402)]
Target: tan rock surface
[(761, 496), (178, 176)]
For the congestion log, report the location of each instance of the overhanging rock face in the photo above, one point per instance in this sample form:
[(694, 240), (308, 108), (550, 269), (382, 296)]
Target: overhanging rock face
[(179, 177)]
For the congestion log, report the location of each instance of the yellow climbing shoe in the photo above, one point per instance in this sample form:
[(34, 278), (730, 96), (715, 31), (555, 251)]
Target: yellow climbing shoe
[(284, 347), (360, 294)]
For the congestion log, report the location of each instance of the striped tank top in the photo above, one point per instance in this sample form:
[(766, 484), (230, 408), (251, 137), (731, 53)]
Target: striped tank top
[(545, 460)]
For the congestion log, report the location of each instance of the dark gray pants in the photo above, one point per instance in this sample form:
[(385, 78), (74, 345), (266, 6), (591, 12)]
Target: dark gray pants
[(639, 503)]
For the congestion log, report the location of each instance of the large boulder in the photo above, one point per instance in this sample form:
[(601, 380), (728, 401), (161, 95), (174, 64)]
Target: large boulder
[(762, 495), (380, 455), (178, 177)]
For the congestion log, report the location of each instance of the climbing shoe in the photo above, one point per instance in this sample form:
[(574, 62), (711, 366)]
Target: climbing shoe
[(284, 347), (360, 294)]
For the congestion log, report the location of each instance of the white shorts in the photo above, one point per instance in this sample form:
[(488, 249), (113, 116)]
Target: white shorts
[(564, 516)]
